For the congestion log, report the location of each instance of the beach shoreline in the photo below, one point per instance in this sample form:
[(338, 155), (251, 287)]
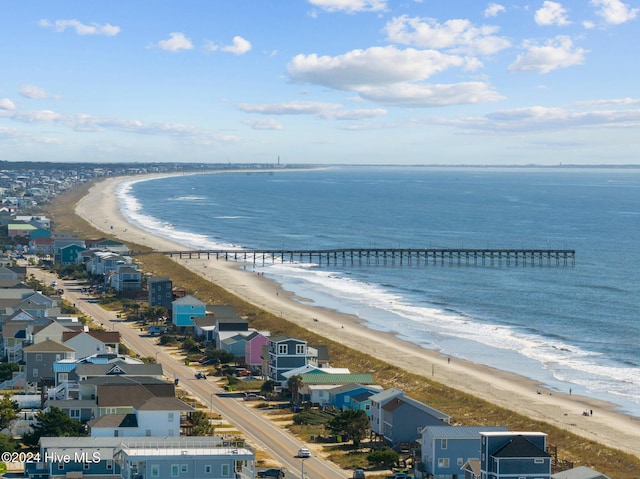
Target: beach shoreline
[(607, 425)]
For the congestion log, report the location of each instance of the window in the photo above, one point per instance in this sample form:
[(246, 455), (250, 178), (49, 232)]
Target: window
[(538, 460), (148, 432), (225, 470), (115, 433), (35, 372), (183, 468), (283, 349), (85, 466), (170, 417), (155, 470), (443, 443), (207, 469), (443, 462), (109, 464), (38, 357), (460, 461), (299, 348), (63, 377), (74, 413), (175, 470)]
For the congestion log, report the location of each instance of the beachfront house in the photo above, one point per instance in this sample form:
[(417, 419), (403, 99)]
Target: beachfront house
[(514, 454), (580, 472), (397, 419), (353, 396), (160, 292), (184, 310), (285, 353), (446, 449), (88, 343)]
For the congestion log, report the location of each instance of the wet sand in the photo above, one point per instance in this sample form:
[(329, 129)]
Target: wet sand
[(522, 395)]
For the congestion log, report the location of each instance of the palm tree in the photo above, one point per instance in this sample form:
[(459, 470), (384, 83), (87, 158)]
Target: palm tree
[(294, 384)]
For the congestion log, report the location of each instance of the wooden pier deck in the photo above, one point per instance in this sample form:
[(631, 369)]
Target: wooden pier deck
[(388, 256)]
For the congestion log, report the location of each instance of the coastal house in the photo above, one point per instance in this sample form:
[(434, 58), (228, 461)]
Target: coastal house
[(580, 472), (354, 396), (88, 343), (184, 310), (398, 419), (254, 345), (116, 366), (69, 254), (126, 278), (514, 454), (151, 417), (160, 292), (446, 449), (285, 353), (42, 246), (40, 357)]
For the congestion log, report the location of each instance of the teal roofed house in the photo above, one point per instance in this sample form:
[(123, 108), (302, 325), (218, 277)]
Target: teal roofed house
[(69, 254)]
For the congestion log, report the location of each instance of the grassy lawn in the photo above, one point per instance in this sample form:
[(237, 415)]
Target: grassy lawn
[(463, 408)]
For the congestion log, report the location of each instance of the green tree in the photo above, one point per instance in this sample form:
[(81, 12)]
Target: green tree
[(350, 423), (8, 411), (294, 384), (201, 424), (8, 443), (7, 370), (386, 458), (52, 424)]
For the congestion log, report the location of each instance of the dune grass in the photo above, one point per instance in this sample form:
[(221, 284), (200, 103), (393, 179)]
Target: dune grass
[(463, 408)]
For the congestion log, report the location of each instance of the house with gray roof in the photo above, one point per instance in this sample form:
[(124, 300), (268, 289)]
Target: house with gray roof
[(446, 449), (40, 358), (398, 419), (580, 472), (514, 454)]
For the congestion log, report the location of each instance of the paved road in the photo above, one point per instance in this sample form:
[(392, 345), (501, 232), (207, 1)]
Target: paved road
[(259, 431)]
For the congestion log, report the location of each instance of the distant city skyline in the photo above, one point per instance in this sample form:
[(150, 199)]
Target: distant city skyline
[(459, 82)]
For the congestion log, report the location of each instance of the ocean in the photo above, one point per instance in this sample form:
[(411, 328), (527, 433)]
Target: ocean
[(568, 327)]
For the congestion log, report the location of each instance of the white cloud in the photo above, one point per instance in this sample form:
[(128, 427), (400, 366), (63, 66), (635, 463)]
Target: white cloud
[(34, 92), (494, 9), (240, 46), (176, 42), (373, 66), (417, 95), (555, 53), (80, 28), (457, 35), (350, 6), (614, 101), (328, 111), (263, 124), (614, 11), (6, 104), (552, 13)]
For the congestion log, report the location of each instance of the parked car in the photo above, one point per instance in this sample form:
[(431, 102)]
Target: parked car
[(358, 474), (304, 452), (157, 330), (271, 472), (201, 375), (254, 397)]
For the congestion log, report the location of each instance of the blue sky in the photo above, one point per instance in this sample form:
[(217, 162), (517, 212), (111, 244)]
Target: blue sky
[(321, 81)]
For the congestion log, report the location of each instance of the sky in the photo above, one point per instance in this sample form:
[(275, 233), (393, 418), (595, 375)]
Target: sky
[(447, 82)]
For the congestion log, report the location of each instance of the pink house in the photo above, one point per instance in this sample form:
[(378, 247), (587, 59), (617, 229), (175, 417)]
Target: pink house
[(253, 349)]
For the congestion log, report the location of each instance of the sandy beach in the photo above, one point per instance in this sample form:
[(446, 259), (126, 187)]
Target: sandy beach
[(524, 396)]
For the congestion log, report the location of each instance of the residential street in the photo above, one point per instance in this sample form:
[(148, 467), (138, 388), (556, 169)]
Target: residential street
[(258, 431)]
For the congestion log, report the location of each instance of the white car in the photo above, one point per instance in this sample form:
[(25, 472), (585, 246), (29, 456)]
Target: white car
[(304, 452)]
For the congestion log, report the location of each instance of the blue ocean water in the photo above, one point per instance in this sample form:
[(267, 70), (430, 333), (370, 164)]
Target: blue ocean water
[(567, 327)]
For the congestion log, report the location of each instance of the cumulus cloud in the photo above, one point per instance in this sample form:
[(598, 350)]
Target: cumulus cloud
[(494, 9), (555, 53), (614, 11), (6, 104), (34, 92), (435, 95), (263, 124), (457, 35), (240, 46), (552, 13), (80, 28), (177, 41), (350, 6), (373, 66)]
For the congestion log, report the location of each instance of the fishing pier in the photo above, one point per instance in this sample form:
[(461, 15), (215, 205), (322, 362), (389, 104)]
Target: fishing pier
[(387, 256)]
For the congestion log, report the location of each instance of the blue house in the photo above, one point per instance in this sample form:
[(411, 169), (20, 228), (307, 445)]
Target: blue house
[(285, 354), (514, 454), (445, 449), (353, 396), (185, 309)]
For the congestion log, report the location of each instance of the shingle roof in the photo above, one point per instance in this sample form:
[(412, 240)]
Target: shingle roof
[(115, 420), (362, 378), (48, 346), (162, 404), (520, 447)]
